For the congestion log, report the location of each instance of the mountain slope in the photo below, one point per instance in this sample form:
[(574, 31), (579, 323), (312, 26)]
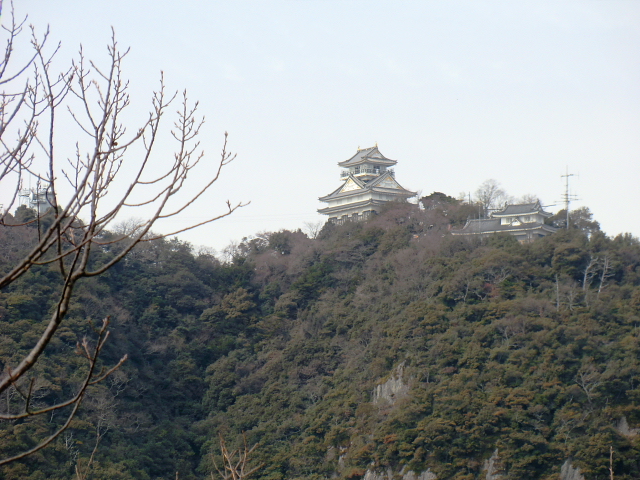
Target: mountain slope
[(380, 345)]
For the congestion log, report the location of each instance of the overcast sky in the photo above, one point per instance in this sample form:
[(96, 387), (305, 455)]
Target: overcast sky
[(457, 92)]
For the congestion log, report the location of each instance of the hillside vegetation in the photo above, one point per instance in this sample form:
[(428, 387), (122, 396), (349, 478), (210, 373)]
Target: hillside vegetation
[(386, 344)]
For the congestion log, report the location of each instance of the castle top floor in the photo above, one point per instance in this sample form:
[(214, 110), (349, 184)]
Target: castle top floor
[(366, 164)]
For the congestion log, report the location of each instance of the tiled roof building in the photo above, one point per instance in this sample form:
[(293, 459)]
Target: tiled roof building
[(368, 183), (524, 221)]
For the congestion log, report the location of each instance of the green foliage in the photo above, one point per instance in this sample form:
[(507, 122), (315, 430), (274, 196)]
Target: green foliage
[(24, 214), (498, 345), (280, 242)]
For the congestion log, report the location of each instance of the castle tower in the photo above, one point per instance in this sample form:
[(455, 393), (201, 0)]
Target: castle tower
[(368, 183)]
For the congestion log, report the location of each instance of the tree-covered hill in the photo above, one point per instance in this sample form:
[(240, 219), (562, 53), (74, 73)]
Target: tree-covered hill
[(380, 345)]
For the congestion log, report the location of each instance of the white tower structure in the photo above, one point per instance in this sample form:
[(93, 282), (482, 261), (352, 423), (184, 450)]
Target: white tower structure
[(37, 198), (368, 183)]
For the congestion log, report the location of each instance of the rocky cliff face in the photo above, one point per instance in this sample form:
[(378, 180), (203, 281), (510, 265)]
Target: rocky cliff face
[(568, 472), (391, 390), (622, 427), (389, 475), (493, 467), (375, 475), (426, 475)]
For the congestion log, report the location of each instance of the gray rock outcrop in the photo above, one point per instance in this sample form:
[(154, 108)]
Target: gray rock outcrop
[(426, 475), (373, 475), (391, 390), (568, 472), (410, 475), (493, 467), (622, 427)]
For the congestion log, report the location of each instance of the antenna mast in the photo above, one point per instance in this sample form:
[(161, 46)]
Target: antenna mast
[(567, 197)]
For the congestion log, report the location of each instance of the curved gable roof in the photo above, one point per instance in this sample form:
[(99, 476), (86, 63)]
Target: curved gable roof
[(379, 183), (521, 209), (368, 155), (340, 191)]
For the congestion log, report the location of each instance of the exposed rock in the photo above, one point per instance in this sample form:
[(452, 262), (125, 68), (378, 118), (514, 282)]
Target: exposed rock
[(331, 454), (342, 453), (568, 472), (393, 389), (410, 475), (373, 475), (622, 427), (493, 467), (426, 475)]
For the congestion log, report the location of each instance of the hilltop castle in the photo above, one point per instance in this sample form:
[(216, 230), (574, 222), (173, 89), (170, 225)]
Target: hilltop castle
[(368, 183)]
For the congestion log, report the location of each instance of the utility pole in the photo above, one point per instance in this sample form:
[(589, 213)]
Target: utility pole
[(567, 197)]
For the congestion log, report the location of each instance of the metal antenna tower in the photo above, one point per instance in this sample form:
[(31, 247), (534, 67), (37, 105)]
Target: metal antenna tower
[(566, 196)]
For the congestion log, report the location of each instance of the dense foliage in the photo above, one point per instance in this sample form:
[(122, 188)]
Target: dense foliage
[(533, 350)]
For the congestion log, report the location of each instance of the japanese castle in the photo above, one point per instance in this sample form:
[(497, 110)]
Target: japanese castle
[(368, 183)]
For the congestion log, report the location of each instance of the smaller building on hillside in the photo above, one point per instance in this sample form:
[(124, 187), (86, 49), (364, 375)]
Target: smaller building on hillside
[(39, 198), (368, 182), (524, 221)]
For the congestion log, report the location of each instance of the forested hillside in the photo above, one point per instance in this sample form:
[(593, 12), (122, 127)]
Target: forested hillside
[(386, 344)]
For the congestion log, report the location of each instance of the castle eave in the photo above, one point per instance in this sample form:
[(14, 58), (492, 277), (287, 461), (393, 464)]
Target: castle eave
[(476, 228), (344, 195), (373, 161), (394, 191), (350, 206)]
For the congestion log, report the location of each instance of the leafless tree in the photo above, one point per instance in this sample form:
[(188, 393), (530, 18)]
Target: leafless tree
[(588, 272), (235, 464), (587, 276), (113, 171), (588, 378), (231, 251), (490, 196), (528, 198), (312, 229), (611, 462), (606, 273), (571, 294), (104, 413)]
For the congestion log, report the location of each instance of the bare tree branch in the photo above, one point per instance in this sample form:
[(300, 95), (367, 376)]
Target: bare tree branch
[(78, 220), (235, 464), (90, 379)]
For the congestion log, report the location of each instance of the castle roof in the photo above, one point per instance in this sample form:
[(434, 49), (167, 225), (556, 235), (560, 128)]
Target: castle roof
[(369, 155), (521, 209), (370, 202), (353, 186), (493, 225)]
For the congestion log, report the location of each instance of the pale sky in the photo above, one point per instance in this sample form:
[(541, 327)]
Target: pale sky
[(457, 92)]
